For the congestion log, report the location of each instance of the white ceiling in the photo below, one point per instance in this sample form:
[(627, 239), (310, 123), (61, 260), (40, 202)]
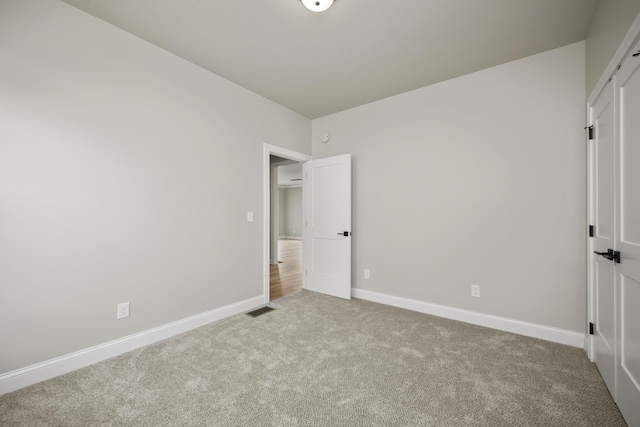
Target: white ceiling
[(356, 52)]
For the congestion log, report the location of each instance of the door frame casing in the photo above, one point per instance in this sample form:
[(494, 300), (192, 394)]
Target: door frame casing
[(267, 151), (625, 46)]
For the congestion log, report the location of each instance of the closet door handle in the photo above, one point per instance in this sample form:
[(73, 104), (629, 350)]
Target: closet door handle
[(608, 255), (611, 255)]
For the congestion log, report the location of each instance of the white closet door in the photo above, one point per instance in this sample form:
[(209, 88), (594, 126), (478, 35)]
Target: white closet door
[(602, 268), (627, 82)]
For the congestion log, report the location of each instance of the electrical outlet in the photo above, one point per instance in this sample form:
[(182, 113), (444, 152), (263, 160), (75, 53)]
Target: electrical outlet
[(123, 310), (367, 274), (475, 291)]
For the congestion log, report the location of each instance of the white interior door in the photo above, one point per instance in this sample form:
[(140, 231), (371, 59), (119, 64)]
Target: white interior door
[(628, 238), (602, 268), (326, 195)]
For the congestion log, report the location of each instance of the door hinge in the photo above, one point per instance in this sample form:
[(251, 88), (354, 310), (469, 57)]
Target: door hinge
[(591, 328), (591, 132), (592, 230)]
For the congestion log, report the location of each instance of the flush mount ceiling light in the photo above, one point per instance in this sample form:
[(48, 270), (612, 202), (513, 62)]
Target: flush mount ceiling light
[(317, 5)]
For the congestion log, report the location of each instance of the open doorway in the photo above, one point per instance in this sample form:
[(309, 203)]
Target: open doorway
[(285, 269), (273, 158)]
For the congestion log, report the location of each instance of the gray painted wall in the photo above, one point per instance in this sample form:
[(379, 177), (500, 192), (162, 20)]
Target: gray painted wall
[(610, 24), (114, 159), (290, 212), (476, 180), (294, 212), (282, 212)]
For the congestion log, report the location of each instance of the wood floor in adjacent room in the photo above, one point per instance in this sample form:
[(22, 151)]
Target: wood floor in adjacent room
[(286, 277)]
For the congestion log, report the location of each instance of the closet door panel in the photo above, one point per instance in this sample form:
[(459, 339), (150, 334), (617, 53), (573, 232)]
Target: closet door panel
[(627, 242)]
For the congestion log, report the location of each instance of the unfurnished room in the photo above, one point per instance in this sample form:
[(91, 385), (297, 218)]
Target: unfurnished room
[(320, 213)]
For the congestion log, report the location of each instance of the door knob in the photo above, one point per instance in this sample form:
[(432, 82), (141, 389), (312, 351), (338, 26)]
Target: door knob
[(344, 233)]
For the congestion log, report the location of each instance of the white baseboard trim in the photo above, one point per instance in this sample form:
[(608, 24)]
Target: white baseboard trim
[(70, 362), (290, 238), (561, 336)]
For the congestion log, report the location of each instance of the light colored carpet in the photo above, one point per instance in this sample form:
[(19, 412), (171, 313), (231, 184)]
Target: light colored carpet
[(322, 361)]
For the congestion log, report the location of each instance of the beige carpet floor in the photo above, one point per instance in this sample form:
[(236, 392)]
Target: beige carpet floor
[(322, 361)]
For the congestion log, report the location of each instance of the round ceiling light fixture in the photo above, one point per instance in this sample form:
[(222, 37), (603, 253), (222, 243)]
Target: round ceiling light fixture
[(317, 5)]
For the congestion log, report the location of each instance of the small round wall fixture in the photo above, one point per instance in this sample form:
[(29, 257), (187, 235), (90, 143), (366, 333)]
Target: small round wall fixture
[(317, 5), (325, 137)]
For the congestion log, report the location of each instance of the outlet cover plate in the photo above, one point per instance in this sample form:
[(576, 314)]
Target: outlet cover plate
[(123, 310), (475, 291)]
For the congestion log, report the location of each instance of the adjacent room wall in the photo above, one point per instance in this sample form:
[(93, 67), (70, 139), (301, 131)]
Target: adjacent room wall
[(293, 225), (290, 213), (119, 182), (476, 180), (282, 212), (609, 26)]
